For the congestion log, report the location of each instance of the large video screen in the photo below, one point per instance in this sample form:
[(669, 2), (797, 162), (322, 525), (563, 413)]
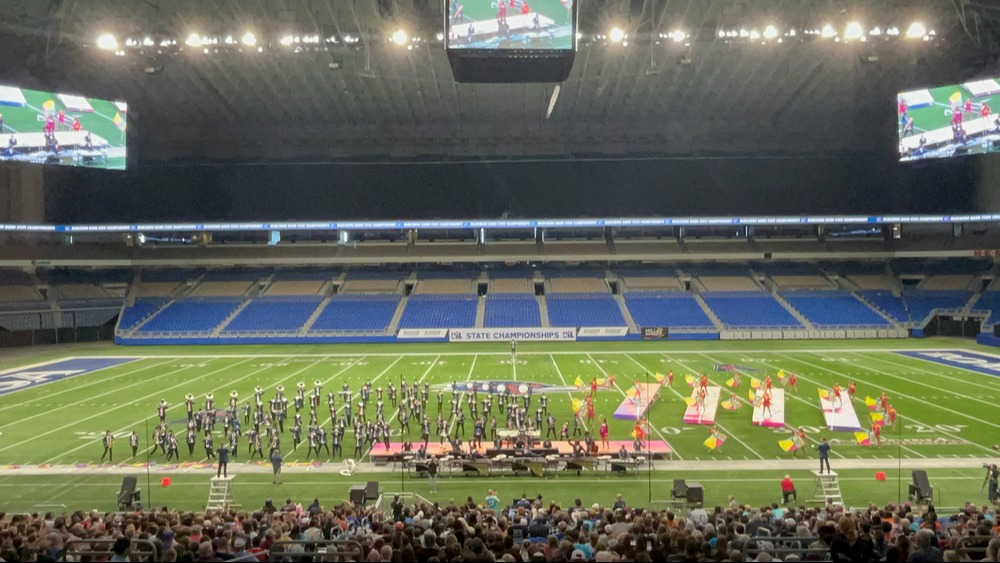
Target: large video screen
[(948, 121), (511, 24), (64, 129)]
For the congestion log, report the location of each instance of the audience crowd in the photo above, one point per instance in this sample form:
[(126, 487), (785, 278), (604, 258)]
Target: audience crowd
[(527, 530)]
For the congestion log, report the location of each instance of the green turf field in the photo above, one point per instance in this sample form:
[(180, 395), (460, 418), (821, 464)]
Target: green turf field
[(478, 10), (938, 115), (946, 415), (30, 119)]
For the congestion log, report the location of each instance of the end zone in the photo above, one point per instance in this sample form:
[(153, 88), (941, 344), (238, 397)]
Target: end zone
[(18, 379), (962, 359)]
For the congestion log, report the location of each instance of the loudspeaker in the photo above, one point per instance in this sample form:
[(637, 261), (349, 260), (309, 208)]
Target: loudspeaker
[(996, 330), (357, 495), (371, 491), (695, 493)]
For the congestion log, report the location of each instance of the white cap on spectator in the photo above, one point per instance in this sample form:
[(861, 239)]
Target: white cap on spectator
[(578, 555)]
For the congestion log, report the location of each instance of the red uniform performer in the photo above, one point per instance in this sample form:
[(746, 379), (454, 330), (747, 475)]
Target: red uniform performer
[(792, 381), (852, 389), (604, 433), (670, 379), (765, 405)]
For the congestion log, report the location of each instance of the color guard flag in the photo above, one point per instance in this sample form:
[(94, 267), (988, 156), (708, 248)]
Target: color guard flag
[(823, 393), (49, 106), (955, 98), (578, 382), (781, 374), (788, 445), (728, 405), (871, 403), (754, 382), (876, 416), (730, 382), (863, 438), (577, 405), (752, 395), (689, 379), (714, 443), (659, 377), (119, 121), (690, 401)]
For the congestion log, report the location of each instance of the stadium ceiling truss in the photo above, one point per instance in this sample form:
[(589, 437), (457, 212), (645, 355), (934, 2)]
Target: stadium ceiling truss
[(358, 96)]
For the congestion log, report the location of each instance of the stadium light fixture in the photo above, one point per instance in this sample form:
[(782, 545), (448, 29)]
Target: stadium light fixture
[(148, 41), (875, 32), (286, 41), (249, 39), (827, 32), (916, 31), (854, 31), (193, 40), (616, 35), (107, 42), (678, 36), (770, 32), (440, 36), (754, 34), (892, 31), (400, 37)]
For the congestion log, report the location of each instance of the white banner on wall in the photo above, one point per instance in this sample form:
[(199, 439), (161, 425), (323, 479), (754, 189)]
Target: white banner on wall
[(418, 333), (602, 331), (507, 334)]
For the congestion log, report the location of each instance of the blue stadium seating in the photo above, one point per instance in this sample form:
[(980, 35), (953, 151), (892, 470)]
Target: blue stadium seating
[(583, 309), (749, 309), (511, 310), (142, 308), (885, 301), (357, 312), (274, 314), (675, 309), (921, 302), (439, 311), (989, 300), (829, 309), (192, 315)]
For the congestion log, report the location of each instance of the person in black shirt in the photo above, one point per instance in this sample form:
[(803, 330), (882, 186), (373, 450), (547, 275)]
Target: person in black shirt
[(824, 455), (432, 474)]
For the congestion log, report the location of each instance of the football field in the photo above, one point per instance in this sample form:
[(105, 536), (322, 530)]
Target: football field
[(53, 417)]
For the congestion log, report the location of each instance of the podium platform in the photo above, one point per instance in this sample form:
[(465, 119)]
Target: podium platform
[(776, 418), (693, 415)]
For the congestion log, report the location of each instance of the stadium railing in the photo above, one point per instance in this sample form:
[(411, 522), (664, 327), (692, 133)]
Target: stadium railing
[(320, 550), (85, 550), (783, 546)]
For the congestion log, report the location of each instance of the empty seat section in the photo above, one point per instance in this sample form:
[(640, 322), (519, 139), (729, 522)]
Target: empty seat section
[(889, 304), (439, 311), (192, 315), (274, 314), (671, 309), (511, 310), (357, 313), (138, 311), (749, 309), (827, 309), (584, 309)]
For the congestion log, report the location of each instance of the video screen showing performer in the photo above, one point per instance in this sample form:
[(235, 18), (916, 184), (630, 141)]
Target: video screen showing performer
[(948, 121), (512, 24)]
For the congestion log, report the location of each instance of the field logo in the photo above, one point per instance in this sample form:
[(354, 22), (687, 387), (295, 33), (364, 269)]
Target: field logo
[(972, 361), (23, 378)]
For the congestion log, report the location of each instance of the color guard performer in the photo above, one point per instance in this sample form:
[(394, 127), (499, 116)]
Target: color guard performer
[(161, 410), (109, 443)]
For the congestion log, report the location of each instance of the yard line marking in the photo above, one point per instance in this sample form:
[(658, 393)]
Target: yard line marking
[(795, 396), (913, 381), (452, 418), (922, 370), (962, 414), (652, 426), (950, 435), (817, 407), (388, 419), (735, 437), (81, 402), (81, 377), (229, 383)]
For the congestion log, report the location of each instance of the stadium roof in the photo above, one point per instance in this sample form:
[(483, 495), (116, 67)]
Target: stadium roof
[(352, 94)]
